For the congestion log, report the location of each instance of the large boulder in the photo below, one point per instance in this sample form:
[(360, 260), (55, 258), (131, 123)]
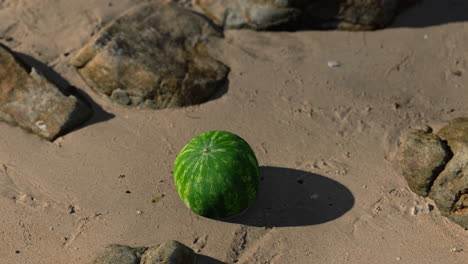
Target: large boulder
[(423, 160), (29, 100), (325, 14), (154, 56)]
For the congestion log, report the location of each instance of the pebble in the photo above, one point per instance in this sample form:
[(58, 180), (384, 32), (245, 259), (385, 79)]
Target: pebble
[(458, 250), (139, 212), (334, 64)]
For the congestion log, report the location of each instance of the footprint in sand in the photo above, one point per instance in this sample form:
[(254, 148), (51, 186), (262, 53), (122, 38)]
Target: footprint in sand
[(16, 187), (255, 245)]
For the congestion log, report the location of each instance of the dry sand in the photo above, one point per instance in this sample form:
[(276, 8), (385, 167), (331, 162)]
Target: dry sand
[(340, 124)]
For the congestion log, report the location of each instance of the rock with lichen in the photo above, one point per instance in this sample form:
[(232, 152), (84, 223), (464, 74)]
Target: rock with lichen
[(169, 252), (450, 189), (455, 133), (155, 56), (448, 184), (31, 101), (422, 157), (119, 254)]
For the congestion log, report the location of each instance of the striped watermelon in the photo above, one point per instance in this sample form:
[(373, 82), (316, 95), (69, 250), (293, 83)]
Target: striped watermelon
[(217, 174)]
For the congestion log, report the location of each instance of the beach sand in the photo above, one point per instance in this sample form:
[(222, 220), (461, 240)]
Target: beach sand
[(322, 135)]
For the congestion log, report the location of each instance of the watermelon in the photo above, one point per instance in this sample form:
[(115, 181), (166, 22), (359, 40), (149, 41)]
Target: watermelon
[(217, 174)]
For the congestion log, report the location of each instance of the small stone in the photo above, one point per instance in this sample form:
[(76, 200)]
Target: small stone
[(139, 212), (426, 36), (423, 128), (457, 73), (41, 125), (136, 100), (457, 250), (422, 156), (119, 254), (334, 64), (121, 97), (169, 252)]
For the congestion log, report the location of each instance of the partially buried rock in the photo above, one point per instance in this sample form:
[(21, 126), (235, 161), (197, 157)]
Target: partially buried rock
[(423, 162), (325, 14), (119, 254), (29, 100), (155, 56), (251, 14), (456, 133), (170, 252), (422, 157), (450, 189)]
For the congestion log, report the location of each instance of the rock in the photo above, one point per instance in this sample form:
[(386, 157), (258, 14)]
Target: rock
[(119, 254), (456, 133), (327, 14), (29, 100), (251, 14), (170, 252), (450, 188), (422, 157), (155, 56)]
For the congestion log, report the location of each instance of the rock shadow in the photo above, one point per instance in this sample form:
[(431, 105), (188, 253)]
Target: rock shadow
[(220, 92), (426, 13), (289, 197), (202, 259), (98, 114)]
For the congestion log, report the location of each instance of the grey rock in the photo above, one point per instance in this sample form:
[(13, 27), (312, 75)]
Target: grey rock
[(121, 97), (170, 252), (119, 254), (29, 100), (422, 157), (156, 54), (456, 133), (251, 14), (450, 188), (339, 14)]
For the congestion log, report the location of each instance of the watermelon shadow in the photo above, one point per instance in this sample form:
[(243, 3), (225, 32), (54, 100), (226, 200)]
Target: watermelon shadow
[(202, 259), (289, 197)]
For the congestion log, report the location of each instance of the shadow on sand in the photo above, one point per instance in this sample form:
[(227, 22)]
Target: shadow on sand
[(428, 13), (289, 197), (202, 259)]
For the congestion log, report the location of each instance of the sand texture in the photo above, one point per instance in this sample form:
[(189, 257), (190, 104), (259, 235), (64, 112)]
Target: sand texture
[(325, 137)]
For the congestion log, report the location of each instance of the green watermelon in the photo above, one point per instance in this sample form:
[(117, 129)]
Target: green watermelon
[(217, 174)]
